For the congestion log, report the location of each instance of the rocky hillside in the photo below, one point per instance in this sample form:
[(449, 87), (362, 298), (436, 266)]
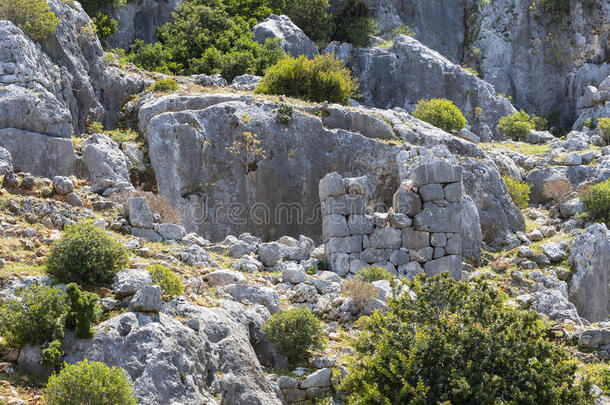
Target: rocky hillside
[(193, 214)]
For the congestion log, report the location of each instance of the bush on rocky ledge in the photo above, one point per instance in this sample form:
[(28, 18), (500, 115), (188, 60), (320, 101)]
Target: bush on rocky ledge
[(164, 277), (516, 126), (596, 200), (458, 343), (518, 191), (87, 255), (323, 78), (441, 113), (295, 332), (89, 383), (34, 17)]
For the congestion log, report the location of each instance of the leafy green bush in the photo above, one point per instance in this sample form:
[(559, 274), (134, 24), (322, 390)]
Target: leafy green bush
[(441, 113), (51, 355), (540, 123), (554, 6), (323, 78), (519, 191), (36, 317), (373, 273), (84, 311), (164, 277), (458, 343), (603, 125), (163, 85), (86, 254), (353, 24), (596, 200), (295, 332), (104, 24), (516, 126), (34, 17), (589, 123), (89, 383), (284, 114), (313, 17)]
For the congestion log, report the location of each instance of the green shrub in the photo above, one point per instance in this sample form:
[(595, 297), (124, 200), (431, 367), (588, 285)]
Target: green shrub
[(540, 123), (323, 78), (83, 312), (596, 200), (361, 292), (51, 355), (34, 17), (161, 86), (589, 123), (353, 24), (441, 113), (284, 114), (603, 125), (104, 24), (36, 317), (554, 6), (89, 383), (458, 343), (164, 277), (86, 254), (313, 17), (519, 191), (295, 332), (374, 273), (516, 126)]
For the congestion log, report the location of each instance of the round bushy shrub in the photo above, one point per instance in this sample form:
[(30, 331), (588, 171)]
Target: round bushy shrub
[(36, 317), (353, 24), (516, 126), (441, 113), (313, 17), (295, 332), (89, 383), (603, 126), (161, 86), (323, 78), (596, 200), (373, 273), (84, 311), (34, 17), (87, 255), (458, 343), (518, 191), (164, 277)]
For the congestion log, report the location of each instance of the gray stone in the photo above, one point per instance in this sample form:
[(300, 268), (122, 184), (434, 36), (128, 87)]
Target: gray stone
[(146, 233), (171, 231), (269, 253), (250, 294), (339, 263), (245, 82), (554, 250), (73, 199), (146, 299), (105, 162), (359, 185), (6, 161), (412, 239), (240, 249), (451, 264), (421, 255), (29, 360), (438, 240), (347, 204), (372, 255), (571, 207), (430, 192), (453, 192), (293, 273), (386, 238), (139, 213), (129, 281), (62, 185), (360, 224), (320, 378), (399, 220), (331, 185), (335, 226), (407, 202), (398, 257), (224, 277), (292, 38), (210, 80), (435, 218), (351, 244), (286, 381), (573, 159)]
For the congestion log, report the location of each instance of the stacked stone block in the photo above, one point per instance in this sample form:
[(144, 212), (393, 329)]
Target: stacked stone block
[(421, 233)]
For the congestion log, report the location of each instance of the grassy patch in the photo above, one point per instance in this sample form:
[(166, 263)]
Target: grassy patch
[(519, 147)]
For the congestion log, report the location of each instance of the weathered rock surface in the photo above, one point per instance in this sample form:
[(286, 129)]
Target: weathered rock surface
[(590, 261), (409, 71), (292, 38), (105, 164)]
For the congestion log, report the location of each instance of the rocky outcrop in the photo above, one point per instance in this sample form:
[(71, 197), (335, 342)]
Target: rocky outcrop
[(292, 39), (409, 71), (105, 164), (590, 261)]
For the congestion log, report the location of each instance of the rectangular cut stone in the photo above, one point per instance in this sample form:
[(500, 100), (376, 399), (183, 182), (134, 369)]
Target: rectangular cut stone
[(440, 171), (331, 185), (334, 226), (356, 265), (400, 221), (350, 244), (375, 255), (421, 255), (453, 192), (438, 252), (406, 202), (386, 238), (412, 239), (399, 257), (347, 204), (360, 224), (339, 263), (431, 192), (438, 239), (454, 244), (435, 218), (451, 264)]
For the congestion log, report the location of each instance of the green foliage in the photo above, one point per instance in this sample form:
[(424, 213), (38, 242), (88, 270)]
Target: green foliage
[(84, 311), (313, 17), (553, 6), (589, 123), (154, 57), (458, 343), (441, 113), (164, 277), (374, 273), (284, 114), (104, 25), (353, 24), (122, 135), (540, 123), (519, 191), (86, 254), (295, 332), (323, 78), (161, 86), (89, 383), (34, 17), (516, 126), (36, 317), (603, 126), (596, 200), (51, 355)]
